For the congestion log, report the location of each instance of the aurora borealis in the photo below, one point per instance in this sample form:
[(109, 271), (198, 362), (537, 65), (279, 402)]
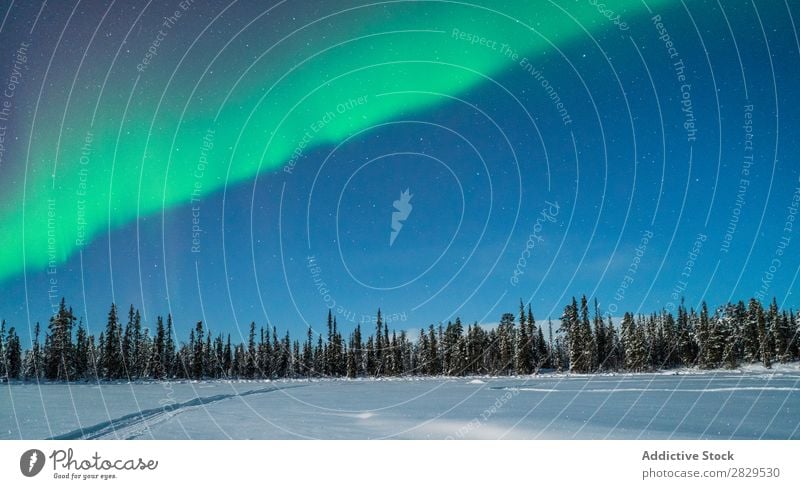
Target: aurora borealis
[(240, 160), (145, 158)]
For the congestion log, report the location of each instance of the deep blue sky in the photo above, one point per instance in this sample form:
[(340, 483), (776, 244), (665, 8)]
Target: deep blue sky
[(481, 173)]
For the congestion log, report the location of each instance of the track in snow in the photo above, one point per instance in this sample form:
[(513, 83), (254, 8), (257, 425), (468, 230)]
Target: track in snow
[(135, 424)]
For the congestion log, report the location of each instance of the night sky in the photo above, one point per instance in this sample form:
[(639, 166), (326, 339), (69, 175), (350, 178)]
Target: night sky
[(247, 161)]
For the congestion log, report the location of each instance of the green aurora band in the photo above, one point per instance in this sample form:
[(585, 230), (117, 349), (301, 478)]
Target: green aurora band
[(165, 141)]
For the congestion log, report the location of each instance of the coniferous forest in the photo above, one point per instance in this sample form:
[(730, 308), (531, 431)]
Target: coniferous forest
[(583, 341)]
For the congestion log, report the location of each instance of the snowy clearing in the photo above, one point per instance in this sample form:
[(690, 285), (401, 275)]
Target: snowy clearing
[(720, 405)]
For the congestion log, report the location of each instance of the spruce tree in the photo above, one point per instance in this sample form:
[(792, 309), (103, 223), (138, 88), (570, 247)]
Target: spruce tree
[(752, 331), (600, 337), (169, 350), (782, 338), (730, 328), (351, 360), (251, 352), (13, 354), (505, 334), (523, 363), (3, 359), (157, 369), (127, 344), (59, 348), (758, 341), (670, 341), (358, 357), (686, 343), (378, 346), (433, 352), (137, 347), (773, 336), (570, 326), (227, 359), (112, 350), (264, 354), (612, 354), (705, 340), (208, 357), (588, 356), (633, 339), (551, 346), (82, 354), (198, 357), (308, 354), (33, 358)]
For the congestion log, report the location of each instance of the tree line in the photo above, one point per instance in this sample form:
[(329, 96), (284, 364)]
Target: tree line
[(583, 342)]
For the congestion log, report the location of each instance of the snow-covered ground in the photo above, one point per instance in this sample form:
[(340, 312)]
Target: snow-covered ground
[(750, 403)]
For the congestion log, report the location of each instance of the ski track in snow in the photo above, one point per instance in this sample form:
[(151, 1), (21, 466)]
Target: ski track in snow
[(136, 424), (645, 389)]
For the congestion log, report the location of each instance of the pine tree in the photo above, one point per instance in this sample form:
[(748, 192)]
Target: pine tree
[(112, 350), (600, 337), (137, 346), (782, 338), (551, 346), (33, 358), (391, 358), (251, 352), (127, 345), (338, 350), (433, 352), (286, 356), (82, 355), (505, 334), (12, 358), (718, 336), (10, 353), (308, 354), (3, 359), (157, 370), (757, 344), (670, 341), (198, 357), (236, 361), (169, 350), (208, 357), (377, 353), (560, 355), (612, 346), (524, 352), (633, 339), (731, 323), (58, 345), (264, 354), (451, 356), (569, 326), (275, 355), (773, 336), (654, 341), (588, 356), (351, 360), (753, 324), (358, 356), (706, 341), (686, 343), (227, 361)]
